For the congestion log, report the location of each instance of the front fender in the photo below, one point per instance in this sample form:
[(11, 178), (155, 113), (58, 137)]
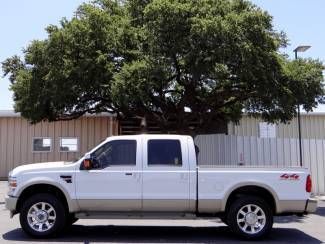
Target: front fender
[(43, 180)]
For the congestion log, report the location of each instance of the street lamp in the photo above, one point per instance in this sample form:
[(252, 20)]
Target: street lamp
[(296, 50)]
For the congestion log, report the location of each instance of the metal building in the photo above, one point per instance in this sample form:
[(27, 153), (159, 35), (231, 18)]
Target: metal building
[(312, 127), (21, 142)]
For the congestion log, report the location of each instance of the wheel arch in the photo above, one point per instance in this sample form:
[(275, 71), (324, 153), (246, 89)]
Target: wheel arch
[(45, 187), (252, 189)]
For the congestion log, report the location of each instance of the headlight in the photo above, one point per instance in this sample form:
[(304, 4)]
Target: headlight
[(12, 183)]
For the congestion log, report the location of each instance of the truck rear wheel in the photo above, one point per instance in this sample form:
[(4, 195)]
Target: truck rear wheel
[(42, 215), (250, 217)]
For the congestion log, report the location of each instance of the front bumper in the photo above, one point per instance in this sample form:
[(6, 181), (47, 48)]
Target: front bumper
[(311, 205), (11, 203)]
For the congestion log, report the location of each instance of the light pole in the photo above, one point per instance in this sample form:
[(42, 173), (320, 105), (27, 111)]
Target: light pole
[(296, 50)]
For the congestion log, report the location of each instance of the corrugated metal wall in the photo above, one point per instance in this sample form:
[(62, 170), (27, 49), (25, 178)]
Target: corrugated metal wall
[(16, 136), (312, 127), (233, 151)]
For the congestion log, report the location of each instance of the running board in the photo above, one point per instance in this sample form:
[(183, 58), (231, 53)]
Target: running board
[(135, 215)]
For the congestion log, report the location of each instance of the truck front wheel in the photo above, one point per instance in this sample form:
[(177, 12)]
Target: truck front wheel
[(42, 215), (71, 219), (250, 217)]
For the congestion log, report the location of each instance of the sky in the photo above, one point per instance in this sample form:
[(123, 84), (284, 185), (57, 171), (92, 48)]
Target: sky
[(22, 21)]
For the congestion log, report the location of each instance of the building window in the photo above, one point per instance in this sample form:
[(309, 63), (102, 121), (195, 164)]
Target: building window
[(164, 152), (42, 144), (68, 144), (267, 130)]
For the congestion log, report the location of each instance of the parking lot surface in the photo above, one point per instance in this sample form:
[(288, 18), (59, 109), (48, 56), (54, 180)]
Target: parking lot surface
[(293, 229)]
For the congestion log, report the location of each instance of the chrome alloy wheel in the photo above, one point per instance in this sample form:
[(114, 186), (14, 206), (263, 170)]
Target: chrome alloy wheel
[(41, 216), (251, 219)]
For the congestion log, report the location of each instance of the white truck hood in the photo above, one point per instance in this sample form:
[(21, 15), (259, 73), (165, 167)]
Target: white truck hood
[(41, 167)]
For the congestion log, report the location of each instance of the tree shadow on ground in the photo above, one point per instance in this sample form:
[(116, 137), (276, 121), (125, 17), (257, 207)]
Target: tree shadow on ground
[(320, 211), (159, 234), (289, 219)]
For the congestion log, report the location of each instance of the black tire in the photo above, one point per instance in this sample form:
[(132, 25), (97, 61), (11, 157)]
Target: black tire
[(224, 219), (59, 214), (243, 225), (71, 219)]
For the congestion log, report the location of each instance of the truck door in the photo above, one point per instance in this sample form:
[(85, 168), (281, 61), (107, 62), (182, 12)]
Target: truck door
[(165, 175), (114, 184)]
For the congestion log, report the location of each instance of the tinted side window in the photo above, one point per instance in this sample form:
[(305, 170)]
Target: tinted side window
[(119, 152), (164, 152)]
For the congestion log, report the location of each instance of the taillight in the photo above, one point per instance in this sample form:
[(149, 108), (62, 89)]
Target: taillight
[(308, 184)]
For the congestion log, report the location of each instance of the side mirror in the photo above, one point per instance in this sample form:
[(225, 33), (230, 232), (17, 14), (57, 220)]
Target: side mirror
[(87, 162)]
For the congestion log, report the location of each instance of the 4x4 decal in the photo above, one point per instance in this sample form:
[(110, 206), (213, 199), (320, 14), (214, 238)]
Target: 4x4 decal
[(289, 177)]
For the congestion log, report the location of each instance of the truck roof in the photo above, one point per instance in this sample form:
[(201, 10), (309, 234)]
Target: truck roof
[(151, 136)]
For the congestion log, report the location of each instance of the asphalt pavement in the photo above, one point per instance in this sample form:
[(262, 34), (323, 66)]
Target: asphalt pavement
[(292, 229)]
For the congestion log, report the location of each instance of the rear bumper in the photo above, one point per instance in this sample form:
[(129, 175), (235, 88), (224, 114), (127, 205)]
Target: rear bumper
[(311, 205)]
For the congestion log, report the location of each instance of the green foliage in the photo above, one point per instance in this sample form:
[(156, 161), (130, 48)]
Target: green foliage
[(170, 61)]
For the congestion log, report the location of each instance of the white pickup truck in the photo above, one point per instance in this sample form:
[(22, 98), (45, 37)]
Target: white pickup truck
[(153, 176)]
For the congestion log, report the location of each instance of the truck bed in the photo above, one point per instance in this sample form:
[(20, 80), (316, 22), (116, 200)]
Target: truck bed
[(287, 185)]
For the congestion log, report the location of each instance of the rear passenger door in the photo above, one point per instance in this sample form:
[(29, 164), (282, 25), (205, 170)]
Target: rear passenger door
[(165, 175)]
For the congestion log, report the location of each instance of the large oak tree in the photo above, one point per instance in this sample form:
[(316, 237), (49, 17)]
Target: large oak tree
[(169, 61)]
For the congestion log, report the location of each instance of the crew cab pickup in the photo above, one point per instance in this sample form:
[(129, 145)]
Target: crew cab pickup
[(154, 176)]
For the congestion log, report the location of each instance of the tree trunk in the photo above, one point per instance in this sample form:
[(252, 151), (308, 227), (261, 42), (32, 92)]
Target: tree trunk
[(144, 125)]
